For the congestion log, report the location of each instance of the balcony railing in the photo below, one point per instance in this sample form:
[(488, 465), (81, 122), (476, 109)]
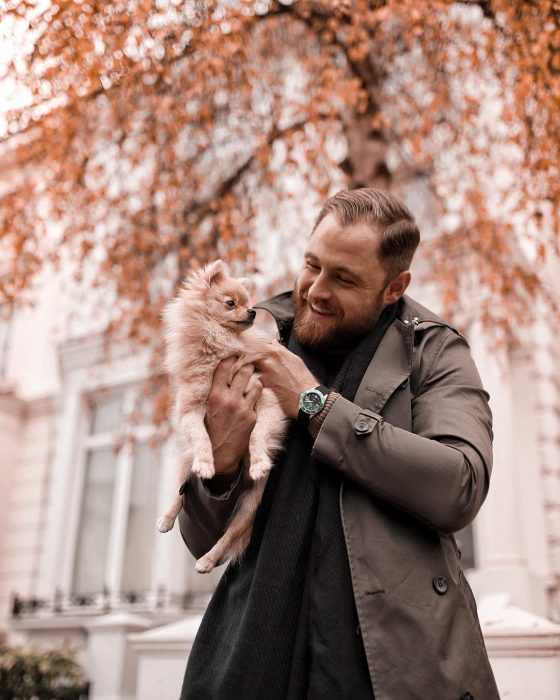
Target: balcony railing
[(105, 601)]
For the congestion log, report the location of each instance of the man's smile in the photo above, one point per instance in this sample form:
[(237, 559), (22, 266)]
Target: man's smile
[(318, 312)]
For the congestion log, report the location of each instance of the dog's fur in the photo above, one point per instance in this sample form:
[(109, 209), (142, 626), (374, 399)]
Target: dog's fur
[(202, 327)]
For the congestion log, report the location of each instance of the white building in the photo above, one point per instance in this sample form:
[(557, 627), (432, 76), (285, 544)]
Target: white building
[(80, 558)]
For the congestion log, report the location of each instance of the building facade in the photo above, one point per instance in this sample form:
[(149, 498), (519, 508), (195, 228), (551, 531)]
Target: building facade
[(81, 560)]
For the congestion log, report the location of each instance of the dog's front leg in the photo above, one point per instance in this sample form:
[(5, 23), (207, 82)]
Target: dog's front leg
[(267, 435), (167, 520), (195, 436)]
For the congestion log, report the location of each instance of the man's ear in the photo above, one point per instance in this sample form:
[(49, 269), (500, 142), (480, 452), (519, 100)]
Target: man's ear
[(396, 287)]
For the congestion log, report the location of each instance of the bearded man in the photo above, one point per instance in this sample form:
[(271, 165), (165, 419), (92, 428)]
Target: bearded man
[(351, 585)]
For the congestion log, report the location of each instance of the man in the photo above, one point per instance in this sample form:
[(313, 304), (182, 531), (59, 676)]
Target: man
[(351, 585)]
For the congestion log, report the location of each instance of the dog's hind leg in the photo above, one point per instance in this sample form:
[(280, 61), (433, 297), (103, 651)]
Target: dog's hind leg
[(167, 520), (235, 539)]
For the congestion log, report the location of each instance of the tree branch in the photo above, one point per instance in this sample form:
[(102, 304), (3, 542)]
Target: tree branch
[(205, 208)]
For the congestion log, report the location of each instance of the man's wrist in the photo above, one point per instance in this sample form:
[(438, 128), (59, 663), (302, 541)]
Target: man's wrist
[(316, 421), (311, 402)]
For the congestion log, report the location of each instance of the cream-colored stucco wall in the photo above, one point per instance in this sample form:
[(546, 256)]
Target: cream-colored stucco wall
[(27, 443)]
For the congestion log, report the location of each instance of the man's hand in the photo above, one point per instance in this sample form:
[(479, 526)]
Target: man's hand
[(231, 413), (283, 372)]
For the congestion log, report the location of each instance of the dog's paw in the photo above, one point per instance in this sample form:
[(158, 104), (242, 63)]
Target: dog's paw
[(205, 564), (165, 523), (259, 468), (203, 468)]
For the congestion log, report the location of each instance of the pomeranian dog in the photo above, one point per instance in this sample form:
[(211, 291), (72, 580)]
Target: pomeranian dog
[(209, 320)]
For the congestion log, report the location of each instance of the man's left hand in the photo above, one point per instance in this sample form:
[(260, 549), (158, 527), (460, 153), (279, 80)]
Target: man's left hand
[(283, 372)]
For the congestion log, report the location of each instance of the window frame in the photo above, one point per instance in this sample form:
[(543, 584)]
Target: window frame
[(124, 465)]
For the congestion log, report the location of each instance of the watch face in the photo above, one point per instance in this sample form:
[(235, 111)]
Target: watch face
[(312, 402)]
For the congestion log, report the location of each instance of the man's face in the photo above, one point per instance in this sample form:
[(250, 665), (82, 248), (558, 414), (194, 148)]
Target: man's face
[(339, 293)]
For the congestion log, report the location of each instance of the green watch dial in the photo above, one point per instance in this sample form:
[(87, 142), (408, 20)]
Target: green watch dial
[(312, 401)]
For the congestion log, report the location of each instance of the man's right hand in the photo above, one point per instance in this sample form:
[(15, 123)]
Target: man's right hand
[(231, 414)]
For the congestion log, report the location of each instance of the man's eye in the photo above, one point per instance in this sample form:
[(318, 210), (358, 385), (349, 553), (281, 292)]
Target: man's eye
[(230, 303), (344, 280), (311, 266)]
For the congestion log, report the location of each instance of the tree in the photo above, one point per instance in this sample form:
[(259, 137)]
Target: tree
[(157, 130)]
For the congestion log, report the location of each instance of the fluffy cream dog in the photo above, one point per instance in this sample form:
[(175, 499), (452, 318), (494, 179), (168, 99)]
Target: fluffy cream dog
[(211, 319)]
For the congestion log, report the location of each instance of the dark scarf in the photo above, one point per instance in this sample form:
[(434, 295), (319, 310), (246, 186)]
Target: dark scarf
[(282, 622)]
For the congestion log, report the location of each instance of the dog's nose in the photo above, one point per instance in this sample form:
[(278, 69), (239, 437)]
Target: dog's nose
[(251, 313)]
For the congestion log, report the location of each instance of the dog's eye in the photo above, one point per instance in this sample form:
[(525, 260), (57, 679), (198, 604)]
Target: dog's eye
[(230, 303)]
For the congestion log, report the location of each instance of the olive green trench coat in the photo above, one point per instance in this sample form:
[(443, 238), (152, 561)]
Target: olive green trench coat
[(415, 447)]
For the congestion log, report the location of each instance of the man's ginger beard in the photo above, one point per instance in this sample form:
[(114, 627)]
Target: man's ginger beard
[(335, 334)]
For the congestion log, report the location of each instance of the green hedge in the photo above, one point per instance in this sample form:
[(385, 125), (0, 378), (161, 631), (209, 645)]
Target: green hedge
[(28, 673)]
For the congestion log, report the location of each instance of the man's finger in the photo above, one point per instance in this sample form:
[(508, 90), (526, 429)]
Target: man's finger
[(222, 370), (254, 390), (241, 378), (243, 360)]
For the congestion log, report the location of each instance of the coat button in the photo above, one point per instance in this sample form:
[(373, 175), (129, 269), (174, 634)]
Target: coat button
[(466, 696), (404, 383), (361, 426), (440, 586)]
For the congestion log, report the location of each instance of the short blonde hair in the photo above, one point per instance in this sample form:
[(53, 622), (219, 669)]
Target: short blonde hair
[(387, 216)]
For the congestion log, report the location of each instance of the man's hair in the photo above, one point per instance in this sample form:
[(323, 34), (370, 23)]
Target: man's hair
[(399, 235)]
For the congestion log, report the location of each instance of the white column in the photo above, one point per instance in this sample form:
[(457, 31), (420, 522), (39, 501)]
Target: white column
[(502, 563), (162, 658), (112, 661), (524, 650), (59, 517)]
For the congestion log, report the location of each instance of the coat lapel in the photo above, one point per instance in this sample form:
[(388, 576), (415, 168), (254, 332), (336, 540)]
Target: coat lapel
[(390, 367)]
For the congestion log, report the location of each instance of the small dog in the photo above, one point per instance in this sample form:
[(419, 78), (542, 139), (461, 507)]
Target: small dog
[(210, 319)]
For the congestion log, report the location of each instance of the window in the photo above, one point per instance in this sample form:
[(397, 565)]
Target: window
[(97, 505), (115, 539), (141, 519)]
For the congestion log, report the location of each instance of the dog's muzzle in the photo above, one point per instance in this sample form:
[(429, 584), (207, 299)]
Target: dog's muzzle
[(251, 313)]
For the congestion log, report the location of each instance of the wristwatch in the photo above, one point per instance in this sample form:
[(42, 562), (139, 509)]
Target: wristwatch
[(311, 402)]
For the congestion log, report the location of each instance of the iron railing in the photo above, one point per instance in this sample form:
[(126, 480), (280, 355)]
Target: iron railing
[(105, 601)]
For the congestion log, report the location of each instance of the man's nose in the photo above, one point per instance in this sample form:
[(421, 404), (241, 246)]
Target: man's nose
[(319, 288)]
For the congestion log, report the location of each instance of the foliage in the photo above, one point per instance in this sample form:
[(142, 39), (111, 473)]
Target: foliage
[(162, 131), (26, 673)]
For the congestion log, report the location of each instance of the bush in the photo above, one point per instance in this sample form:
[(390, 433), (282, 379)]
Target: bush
[(27, 673)]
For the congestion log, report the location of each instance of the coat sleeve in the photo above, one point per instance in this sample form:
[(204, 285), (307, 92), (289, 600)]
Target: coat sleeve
[(205, 514), (440, 471)]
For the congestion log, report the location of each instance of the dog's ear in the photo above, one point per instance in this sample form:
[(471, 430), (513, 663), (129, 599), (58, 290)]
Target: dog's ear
[(247, 284), (214, 272)]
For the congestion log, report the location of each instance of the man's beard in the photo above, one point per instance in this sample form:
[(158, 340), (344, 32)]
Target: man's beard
[(335, 334)]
